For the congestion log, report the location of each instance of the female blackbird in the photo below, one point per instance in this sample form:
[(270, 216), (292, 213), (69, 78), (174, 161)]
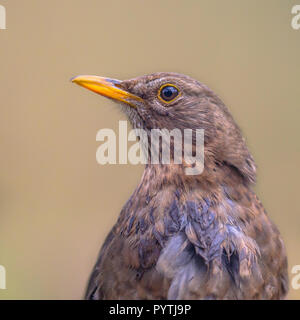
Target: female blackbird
[(182, 236)]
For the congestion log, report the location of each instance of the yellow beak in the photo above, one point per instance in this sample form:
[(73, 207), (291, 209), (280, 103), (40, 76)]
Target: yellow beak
[(109, 88)]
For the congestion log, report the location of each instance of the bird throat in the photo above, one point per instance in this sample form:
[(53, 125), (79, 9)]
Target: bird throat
[(166, 204)]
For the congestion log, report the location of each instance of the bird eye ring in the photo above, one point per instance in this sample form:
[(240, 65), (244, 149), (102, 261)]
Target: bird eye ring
[(168, 93)]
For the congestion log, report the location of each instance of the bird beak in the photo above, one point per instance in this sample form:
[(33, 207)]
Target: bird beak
[(109, 88)]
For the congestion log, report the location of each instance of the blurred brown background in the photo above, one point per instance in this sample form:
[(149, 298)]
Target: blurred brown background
[(56, 203)]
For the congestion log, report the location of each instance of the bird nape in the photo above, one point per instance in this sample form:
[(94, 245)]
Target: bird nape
[(180, 236)]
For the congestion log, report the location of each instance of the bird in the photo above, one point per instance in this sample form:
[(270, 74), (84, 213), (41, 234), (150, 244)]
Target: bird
[(203, 236)]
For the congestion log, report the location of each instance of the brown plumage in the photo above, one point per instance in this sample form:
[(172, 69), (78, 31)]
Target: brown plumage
[(181, 236)]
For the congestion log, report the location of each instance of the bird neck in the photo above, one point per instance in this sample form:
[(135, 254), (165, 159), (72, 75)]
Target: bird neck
[(162, 186), (167, 203), (158, 177)]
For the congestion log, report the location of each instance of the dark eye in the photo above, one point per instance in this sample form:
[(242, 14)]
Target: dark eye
[(168, 93)]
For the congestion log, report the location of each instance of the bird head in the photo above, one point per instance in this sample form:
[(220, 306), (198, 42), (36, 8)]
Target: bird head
[(175, 101)]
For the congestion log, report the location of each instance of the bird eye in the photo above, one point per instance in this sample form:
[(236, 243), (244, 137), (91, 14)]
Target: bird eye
[(167, 93)]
